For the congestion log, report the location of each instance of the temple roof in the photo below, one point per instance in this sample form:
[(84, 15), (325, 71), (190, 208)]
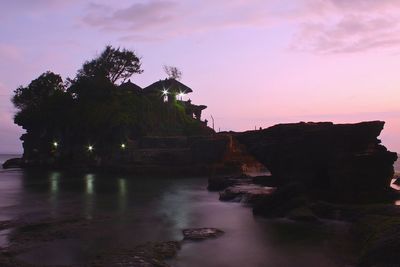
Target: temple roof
[(168, 84), (130, 86)]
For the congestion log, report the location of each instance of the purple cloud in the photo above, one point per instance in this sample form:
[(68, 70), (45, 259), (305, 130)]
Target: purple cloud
[(158, 20), (349, 26), (322, 26), (137, 17)]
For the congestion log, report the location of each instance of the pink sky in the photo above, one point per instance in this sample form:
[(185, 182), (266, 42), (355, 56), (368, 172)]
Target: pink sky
[(254, 63)]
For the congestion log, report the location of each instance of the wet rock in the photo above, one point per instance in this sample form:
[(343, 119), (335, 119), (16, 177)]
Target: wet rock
[(281, 201), (151, 254), (7, 224), (13, 163), (266, 180), (303, 214), (221, 183), (380, 237), (201, 233), (397, 179), (248, 193)]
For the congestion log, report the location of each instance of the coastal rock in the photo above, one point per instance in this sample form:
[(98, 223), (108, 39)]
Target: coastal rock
[(397, 181), (151, 254), (335, 162), (12, 163), (248, 193), (221, 183), (380, 236), (303, 214), (266, 180), (281, 201), (201, 233)]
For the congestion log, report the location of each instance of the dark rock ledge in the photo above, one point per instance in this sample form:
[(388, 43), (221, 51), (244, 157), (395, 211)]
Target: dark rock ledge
[(197, 234), (28, 235)]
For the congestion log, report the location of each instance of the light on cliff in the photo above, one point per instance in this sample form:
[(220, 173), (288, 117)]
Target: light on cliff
[(180, 95), (123, 146), (164, 92), (55, 144), (90, 148)]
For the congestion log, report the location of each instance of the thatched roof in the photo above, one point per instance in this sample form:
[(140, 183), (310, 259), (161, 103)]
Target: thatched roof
[(130, 86), (168, 84)]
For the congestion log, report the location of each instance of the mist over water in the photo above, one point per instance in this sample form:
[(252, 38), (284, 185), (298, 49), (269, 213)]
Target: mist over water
[(125, 211)]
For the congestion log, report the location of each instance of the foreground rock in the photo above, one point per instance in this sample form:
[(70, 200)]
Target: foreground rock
[(13, 163), (335, 162), (380, 239), (248, 193), (397, 179), (152, 254), (219, 183), (201, 233)]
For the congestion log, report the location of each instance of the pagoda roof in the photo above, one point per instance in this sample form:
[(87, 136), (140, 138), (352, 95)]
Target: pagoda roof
[(167, 84), (130, 86)]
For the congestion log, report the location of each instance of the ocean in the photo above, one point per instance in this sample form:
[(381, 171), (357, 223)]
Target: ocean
[(102, 212)]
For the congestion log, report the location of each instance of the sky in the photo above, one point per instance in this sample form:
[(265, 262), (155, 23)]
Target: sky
[(254, 63)]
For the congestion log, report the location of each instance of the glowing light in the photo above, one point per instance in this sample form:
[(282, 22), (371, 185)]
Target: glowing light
[(123, 146), (165, 92), (55, 144), (180, 95), (90, 148)]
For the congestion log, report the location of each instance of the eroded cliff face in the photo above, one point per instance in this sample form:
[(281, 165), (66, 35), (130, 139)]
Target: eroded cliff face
[(332, 161)]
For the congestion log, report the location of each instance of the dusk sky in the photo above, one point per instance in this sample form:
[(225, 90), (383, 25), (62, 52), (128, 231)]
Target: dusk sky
[(252, 62)]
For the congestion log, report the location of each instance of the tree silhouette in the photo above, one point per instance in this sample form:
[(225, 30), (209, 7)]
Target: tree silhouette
[(113, 63), (38, 91), (173, 72)]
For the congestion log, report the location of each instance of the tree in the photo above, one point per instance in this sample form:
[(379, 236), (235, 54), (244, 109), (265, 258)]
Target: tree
[(113, 64), (38, 91), (173, 72)]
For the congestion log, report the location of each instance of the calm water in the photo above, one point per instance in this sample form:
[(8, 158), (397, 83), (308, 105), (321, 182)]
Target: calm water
[(143, 209)]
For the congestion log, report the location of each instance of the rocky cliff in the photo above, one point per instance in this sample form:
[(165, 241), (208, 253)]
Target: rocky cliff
[(333, 161)]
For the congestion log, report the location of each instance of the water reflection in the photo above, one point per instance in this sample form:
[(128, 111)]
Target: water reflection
[(128, 211), (122, 187), (89, 196), (54, 180), (89, 178), (122, 195)]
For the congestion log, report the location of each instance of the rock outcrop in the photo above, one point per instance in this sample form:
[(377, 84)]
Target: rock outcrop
[(197, 234), (12, 163), (336, 162)]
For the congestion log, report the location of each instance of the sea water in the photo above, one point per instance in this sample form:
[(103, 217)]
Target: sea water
[(123, 211)]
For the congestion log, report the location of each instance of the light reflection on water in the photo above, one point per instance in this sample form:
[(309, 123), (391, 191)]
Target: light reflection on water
[(157, 209)]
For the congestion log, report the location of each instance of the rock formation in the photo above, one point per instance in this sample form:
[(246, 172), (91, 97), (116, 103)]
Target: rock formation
[(341, 162)]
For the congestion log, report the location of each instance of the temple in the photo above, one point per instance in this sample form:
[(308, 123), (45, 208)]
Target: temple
[(170, 91)]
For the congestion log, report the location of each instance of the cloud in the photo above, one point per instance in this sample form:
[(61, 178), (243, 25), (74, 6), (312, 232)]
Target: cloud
[(160, 19), (137, 17), (349, 26), (320, 26)]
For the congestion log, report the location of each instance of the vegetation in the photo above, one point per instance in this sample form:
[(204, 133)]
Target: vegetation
[(92, 108), (173, 72)]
